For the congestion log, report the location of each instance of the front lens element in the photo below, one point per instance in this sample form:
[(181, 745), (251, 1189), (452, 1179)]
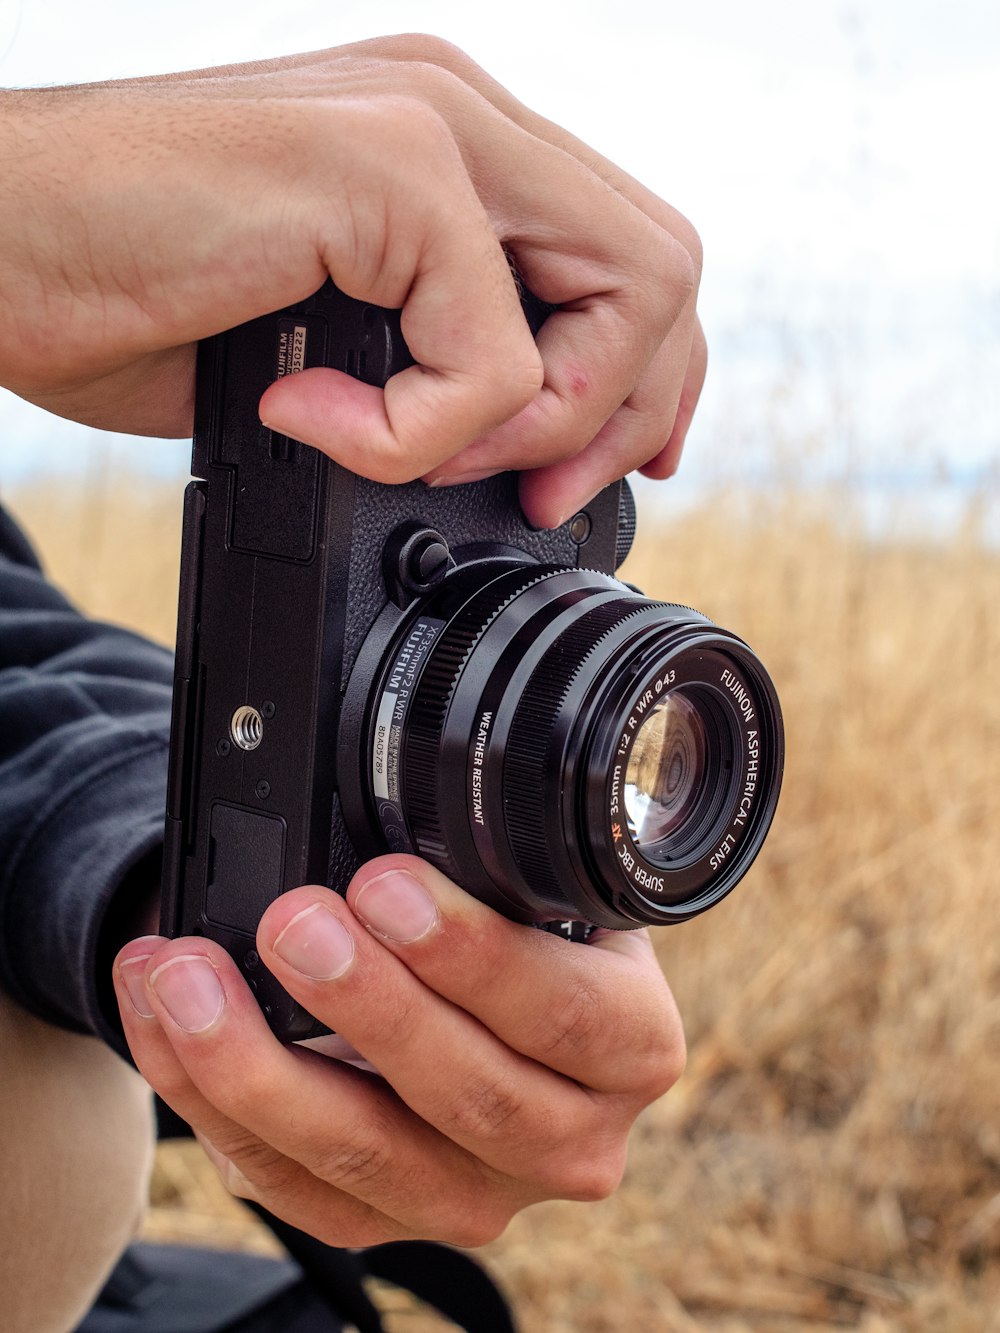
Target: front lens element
[(665, 778)]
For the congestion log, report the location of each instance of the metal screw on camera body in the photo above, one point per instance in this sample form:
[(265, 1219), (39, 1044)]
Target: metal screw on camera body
[(579, 527), (263, 790), (247, 727)]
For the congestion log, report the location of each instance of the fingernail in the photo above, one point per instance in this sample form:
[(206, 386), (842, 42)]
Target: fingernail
[(316, 944), (232, 1177), (133, 974), (189, 989), (397, 906), (565, 517), (460, 478)]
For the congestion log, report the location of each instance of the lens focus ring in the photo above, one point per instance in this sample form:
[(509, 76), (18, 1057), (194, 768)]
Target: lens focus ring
[(430, 708)]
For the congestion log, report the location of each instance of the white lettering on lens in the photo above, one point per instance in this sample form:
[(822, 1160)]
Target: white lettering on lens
[(640, 707), (615, 789), (750, 780), (722, 851), (648, 881), (740, 694), (478, 756)]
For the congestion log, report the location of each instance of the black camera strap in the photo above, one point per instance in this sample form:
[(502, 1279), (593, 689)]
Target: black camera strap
[(179, 1289), (449, 1280)]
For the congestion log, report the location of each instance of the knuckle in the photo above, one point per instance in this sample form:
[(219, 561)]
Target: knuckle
[(425, 48), (172, 1084), (584, 1167), (596, 1176), (258, 1168), (481, 1227), (432, 73), (476, 1213), (407, 1005), (685, 269), (510, 385), (671, 270), (660, 1060), (238, 1184), (681, 272), (414, 118), (350, 1164), (525, 380), (352, 1233), (397, 463), (412, 136), (668, 468), (576, 1026), (483, 1108), (240, 1098), (686, 236)]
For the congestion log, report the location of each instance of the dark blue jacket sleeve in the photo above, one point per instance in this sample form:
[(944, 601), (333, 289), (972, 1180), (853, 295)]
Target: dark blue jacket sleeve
[(84, 727)]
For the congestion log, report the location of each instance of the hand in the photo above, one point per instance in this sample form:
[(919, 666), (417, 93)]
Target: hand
[(512, 1062), (138, 217)]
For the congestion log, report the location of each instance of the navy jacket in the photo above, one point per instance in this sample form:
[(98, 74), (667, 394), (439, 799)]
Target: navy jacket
[(84, 728)]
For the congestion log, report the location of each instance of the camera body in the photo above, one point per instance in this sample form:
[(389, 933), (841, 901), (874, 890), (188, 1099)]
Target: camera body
[(288, 561), (364, 668)]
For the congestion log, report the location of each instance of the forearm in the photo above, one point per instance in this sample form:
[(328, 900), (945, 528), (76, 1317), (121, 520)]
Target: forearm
[(84, 720)]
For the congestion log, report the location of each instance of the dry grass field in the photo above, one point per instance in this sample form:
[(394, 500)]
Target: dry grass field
[(831, 1158)]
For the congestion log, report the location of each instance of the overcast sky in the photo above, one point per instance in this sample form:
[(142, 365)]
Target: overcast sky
[(838, 158)]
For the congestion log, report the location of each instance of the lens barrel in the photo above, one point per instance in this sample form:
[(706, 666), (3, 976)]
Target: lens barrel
[(568, 749)]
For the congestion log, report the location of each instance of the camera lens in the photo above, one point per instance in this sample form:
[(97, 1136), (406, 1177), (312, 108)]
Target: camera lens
[(566, 748)]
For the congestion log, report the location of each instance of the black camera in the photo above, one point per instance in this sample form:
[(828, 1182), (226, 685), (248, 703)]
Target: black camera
[(365, 668)]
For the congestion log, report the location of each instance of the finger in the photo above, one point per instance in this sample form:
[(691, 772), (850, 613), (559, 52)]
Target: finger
[(490, 456), (602, 1017), (432, 252), (518, 1116), (607, 1021), (346, 1220), (323, 1146), (621, 278), (665, 463), (621, 281), (646, 433), (597, 352), (253, 1170)]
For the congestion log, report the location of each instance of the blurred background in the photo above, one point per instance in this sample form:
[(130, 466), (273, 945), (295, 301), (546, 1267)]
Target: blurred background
[(831, 1158)]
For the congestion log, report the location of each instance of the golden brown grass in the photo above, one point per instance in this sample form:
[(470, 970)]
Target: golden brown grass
[(831, 1158)]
